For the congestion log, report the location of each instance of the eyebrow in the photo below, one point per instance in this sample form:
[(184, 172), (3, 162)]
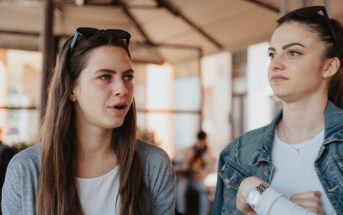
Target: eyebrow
[(113, 71), (287, 46)]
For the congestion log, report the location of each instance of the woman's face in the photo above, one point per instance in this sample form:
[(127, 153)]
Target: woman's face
[(103, 92), (297, 56)]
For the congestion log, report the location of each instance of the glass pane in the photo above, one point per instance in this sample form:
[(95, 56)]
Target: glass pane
[(20, 74), (19, 126)]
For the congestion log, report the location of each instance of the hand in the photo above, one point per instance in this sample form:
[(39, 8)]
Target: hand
[(241, 197), (310, 200)]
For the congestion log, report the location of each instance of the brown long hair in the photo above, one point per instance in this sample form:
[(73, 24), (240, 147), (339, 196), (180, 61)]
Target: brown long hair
[(57, 193), (318, 24)]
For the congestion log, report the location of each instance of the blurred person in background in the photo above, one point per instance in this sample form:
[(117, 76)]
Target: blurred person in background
[(192, 166), (89, 161), (293, 165)]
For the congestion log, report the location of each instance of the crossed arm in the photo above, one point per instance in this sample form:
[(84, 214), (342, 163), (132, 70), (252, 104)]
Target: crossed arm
[(273, 202)]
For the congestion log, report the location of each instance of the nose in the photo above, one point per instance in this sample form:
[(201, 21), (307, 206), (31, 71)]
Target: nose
[(119, 88), (276, 63)]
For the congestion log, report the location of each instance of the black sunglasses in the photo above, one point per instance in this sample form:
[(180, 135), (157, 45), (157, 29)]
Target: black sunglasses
[(309, 12), (88, 32)]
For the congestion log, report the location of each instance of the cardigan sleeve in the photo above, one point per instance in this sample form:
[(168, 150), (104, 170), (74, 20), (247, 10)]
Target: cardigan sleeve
[(11, 193)]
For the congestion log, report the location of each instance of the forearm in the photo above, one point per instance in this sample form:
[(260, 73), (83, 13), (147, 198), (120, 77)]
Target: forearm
[(273, 202)]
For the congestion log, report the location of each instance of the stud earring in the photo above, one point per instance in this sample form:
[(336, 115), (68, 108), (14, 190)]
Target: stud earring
[(72, 98), (325, 75)]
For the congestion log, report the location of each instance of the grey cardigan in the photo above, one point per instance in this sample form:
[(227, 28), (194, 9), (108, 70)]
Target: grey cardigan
[(18, 194)]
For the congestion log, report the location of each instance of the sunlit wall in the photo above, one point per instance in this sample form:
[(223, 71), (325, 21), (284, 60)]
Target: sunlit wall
[(217, 83), (259, 94), (159, 101), (3, 92), (187, 98)]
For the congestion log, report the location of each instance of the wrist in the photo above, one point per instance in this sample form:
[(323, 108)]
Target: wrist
[(254, 195)]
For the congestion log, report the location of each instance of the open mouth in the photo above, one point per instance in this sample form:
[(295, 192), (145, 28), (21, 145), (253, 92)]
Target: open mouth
[(120, 107)]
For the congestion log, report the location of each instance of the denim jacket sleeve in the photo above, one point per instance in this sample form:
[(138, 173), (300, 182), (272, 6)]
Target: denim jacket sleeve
[(218, 201), (238, 161), (229, 178)]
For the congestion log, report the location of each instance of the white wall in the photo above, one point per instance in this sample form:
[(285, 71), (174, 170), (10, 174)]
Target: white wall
[(259, 104), (159, 88), (187, 97), (217, 82)]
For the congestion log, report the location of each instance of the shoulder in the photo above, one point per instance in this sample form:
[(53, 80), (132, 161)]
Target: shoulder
[(333, 121), (27, 160), (246, 144), (155, 162), (159, 177), (31, 154), (150, 154), (21, 182)]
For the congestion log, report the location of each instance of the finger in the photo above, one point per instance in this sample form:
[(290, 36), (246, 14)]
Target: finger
[(241, 203), (317, 210), (306, 195), (249, 211), (314, 203)]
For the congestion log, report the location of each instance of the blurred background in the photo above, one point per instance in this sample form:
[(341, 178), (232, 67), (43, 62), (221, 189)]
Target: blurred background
[(199, 64)]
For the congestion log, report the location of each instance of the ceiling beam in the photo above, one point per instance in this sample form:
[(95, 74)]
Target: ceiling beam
[(104, 4), (166, 45), (167, 4), (26, 33), (264, 5), (148, 40), (134, 21)]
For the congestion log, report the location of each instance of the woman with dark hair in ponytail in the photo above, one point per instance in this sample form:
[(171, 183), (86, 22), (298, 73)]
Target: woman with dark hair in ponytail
[(295, 164), (89, 161)]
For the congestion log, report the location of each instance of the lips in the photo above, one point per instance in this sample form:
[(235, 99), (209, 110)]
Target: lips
[(119, 108), (276, 78)]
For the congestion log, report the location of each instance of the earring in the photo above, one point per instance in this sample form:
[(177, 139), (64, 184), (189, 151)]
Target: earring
[(325, 75), (72, 98)]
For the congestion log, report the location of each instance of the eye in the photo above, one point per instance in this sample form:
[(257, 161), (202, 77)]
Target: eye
[(271, 55), (128, 77), (293, 53), (105, 77)]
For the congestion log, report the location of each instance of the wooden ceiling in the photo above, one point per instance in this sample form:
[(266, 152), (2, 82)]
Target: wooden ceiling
[(162, 30)]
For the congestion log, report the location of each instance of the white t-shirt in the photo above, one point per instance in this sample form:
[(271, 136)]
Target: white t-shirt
[(294, 173), (98, 195)]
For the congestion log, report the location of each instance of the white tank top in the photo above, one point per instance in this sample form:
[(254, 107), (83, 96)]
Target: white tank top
[(295, 173), (99, 195)]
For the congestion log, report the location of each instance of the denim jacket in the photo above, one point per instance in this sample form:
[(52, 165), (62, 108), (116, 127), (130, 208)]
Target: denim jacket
[(250, 155)]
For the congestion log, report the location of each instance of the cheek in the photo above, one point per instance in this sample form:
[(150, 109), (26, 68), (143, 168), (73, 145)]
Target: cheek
[(269, 71), (91, 94), (131, 90)]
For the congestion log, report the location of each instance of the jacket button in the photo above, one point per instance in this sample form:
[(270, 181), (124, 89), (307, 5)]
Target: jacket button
[(265, 172)]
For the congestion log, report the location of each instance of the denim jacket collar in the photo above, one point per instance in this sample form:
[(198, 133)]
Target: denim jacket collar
[(264, 154), (333, 126)]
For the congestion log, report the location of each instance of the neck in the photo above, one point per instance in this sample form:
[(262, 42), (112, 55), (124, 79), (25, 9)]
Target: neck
[(93, 141), (301, 120), (94, 153)]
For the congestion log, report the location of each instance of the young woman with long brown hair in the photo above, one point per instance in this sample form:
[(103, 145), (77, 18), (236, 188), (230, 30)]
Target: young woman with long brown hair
[(89, 161)]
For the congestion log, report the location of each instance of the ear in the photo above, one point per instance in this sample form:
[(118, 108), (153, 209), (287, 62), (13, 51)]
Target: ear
[(331, 67), (72, 96)]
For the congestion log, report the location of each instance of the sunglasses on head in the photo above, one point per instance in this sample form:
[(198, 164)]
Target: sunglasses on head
[(88, 32), (310, 12)]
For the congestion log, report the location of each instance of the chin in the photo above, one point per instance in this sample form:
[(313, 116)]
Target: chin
[(280, 93), (117, 125), (285, 98), (114, 124)]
